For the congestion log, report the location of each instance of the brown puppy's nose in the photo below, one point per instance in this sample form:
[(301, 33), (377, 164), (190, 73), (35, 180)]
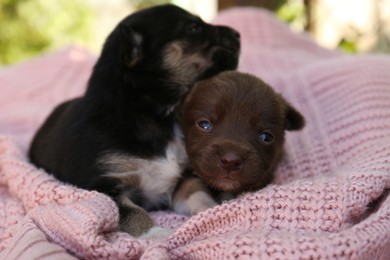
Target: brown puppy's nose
[(231, 161)]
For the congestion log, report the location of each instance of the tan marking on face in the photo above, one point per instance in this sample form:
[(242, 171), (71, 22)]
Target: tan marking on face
[(185, 68)]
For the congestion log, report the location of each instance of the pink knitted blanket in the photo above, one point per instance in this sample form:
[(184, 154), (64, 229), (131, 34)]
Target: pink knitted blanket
[(330, 197)]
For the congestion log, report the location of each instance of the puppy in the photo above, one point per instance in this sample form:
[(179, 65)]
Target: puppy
[(234, 126), (121, 138)]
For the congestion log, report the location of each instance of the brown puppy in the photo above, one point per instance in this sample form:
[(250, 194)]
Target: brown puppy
[(234, 126)]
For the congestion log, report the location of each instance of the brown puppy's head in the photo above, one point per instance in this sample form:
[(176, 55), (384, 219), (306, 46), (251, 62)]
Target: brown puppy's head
[(234, 126)]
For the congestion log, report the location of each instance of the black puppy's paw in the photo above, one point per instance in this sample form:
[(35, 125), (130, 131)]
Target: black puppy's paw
[(135, 221)]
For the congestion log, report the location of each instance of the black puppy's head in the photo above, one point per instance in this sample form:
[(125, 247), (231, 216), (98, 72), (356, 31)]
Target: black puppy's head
[(171, 47), (234, 126)]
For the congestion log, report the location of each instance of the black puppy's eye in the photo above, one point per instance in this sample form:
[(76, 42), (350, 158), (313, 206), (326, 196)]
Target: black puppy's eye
[(266, 137), (205, 124), (194, 28)]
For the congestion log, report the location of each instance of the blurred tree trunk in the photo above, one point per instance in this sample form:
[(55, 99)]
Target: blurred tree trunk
[(310, 20)]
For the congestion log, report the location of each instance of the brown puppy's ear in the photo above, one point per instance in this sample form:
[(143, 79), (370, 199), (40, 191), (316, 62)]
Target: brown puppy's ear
[(131, 45), (294, 119)]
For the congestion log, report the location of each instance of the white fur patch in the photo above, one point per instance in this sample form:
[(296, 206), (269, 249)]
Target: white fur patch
[(157, 233), (157, 177), (196, 202)]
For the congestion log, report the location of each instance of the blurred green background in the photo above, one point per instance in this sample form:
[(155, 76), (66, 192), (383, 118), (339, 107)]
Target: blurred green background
[(32, 27), (28, 28)]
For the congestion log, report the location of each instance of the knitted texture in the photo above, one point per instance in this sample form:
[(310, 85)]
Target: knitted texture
[(329, 198)]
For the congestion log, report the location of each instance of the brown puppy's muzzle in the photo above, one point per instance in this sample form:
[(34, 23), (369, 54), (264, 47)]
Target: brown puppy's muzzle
[(225, 165), (231, 162), (230, 156)]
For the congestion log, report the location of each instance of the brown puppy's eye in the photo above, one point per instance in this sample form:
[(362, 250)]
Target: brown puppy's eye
[(266, 137), (204, 124)]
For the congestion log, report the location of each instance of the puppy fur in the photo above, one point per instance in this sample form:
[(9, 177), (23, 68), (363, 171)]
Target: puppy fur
[(121, 138), (234, 126)]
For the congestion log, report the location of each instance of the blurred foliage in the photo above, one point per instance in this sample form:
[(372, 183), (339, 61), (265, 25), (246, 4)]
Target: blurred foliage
[(140, 4), (30, 27), (348, 46), (349, 42), (292, 12)]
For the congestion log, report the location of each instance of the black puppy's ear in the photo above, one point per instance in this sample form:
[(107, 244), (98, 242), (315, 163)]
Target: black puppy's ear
[(131, 45), (294, 119)]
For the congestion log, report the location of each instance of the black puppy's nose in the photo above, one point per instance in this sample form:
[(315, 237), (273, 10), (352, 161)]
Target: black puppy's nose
[(229, 38), (236, 34), (230, 161)]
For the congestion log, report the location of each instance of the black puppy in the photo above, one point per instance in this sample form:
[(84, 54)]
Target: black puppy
[(121, 138)]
